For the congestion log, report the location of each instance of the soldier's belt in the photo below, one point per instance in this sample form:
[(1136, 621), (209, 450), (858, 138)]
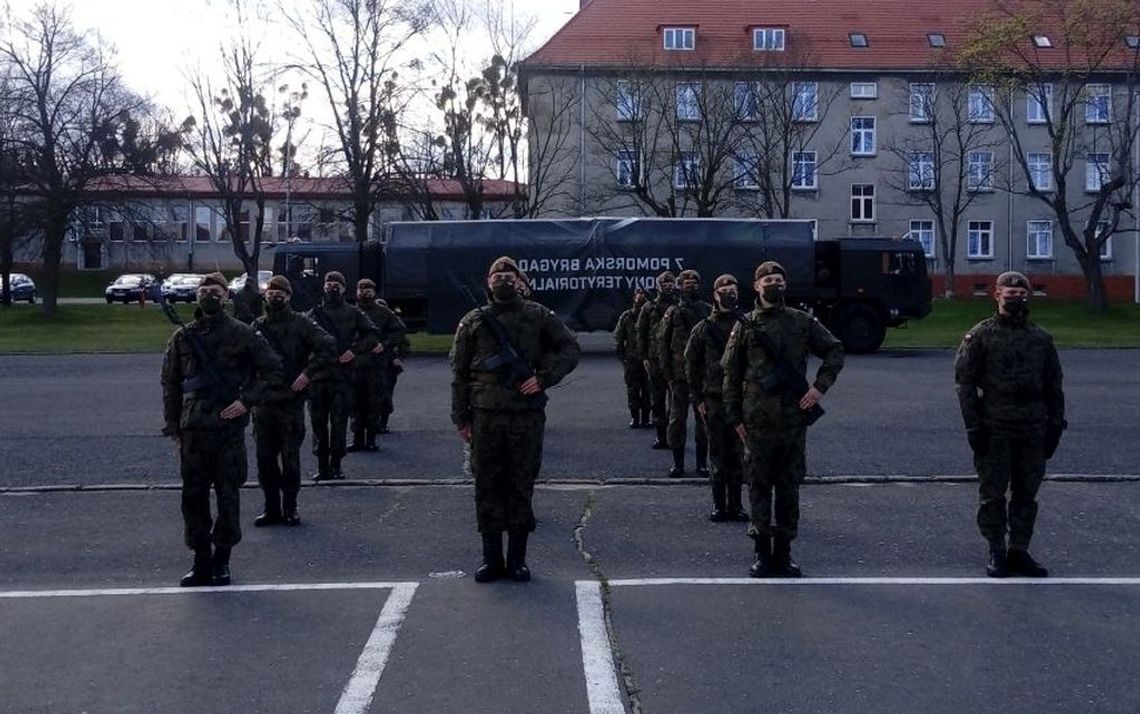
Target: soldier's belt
[(753, 388), (485, 377)]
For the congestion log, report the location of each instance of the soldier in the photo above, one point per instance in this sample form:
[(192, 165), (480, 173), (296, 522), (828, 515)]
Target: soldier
[(769, 403), (371, 370), (279, 422), (214, 370), (499, 410), (673, 335), (636, 379), (648, 321), (1008, 378), (395, 368), (706, 387), (330, 398)]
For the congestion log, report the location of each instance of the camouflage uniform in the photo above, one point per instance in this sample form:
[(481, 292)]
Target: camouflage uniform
[(648, 321), (1008, 378), (371, 372), (212, 449), (636, 379), (673, 336), (387, 403)]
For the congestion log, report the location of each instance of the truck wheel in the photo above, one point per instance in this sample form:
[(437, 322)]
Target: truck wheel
[(860, 329)]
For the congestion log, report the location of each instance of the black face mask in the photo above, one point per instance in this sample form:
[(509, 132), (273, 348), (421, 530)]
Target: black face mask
[(210, 305), (276, 304), (1016, 308), (727, 301), (690, 292), (774, 294), (334, 297), (366, 300), (504, 291)]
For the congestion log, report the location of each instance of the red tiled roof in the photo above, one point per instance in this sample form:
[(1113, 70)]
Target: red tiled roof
[(617, 33)]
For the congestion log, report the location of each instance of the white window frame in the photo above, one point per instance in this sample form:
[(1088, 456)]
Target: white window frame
[(744, 171), (208, 213), (179, 226), (768, 39), (1106, 247), (865, 200), (1036, 111), (1097, 173), (688, 165), (925, 227), (920, 171), (627, 168), (627, 104), (800, 158), (983, 178), (1037, 231), (688, 98), (746, 101), (864, 90), (980, 104), (114, 218), (1093, 112), (1040, 168), (679, 39), (805, 101), (921, 103), (983, 230), (863, 136)]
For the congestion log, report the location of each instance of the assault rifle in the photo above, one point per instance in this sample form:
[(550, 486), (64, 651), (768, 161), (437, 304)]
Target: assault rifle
[(785, 378), (209, 377), (507, 362)]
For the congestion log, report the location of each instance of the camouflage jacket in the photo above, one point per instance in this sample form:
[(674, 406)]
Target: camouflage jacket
[(350, 329), (673, 335), (544, 342), (703, 353), (301, 345), (390, 329), (746, 363), (243, 360), (648, 320), (625, 336), (404, 347), (1008, 378)]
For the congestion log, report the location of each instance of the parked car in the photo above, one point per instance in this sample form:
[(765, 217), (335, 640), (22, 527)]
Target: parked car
[(127, 288), (238, 283), (22, 288), (181, 287)]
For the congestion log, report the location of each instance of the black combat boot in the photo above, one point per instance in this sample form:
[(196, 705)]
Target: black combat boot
[(335, 472), (289, 515), (383, 429), (660, 442), (323, 473), (998, 566), (702, 459), (357, 441), (370, 441), (516, 557), (782, 564), (271, 516), (492, 568), (221, 565), (646, 421), (735, 511), (199, 574), (1019, 562), (762, 563), (719, 514), (678, 470), (634, 420)]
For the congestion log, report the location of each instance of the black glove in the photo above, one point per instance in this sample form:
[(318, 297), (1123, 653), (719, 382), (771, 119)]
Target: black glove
[(1053, 438), (979, 441)]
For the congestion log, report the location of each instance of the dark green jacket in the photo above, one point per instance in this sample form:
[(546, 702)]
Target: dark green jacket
[(625, 336), (1008, 377), (350, 329), (648, 320), (707, 343), (673, 335), (796, 334), (390, 329), (242, 358), (545, 343), (301, 345)]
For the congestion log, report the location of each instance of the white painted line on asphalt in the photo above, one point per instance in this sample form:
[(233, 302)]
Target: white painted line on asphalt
[(267, 587), (597, 657), (788, 582), (361, 687)]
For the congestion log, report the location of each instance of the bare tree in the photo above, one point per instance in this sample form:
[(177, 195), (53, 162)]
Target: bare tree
[(551, 159)]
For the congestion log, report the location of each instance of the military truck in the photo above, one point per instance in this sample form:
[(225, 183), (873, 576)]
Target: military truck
[(587, 269)]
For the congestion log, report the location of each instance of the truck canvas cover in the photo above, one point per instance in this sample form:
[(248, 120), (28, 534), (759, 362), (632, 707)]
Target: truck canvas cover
[(585, 270)]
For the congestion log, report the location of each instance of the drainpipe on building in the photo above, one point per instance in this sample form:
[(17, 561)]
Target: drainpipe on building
[(582, 139), (191, 236), (1009, 196)]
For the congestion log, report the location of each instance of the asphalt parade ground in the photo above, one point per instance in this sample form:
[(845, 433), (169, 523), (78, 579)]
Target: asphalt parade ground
[(639, 604)]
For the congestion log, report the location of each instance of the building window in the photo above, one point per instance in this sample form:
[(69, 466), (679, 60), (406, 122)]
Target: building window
[(1039, 103), (745, 171), (1042, 41), (628, 169), (202, 218), (687, 172), (981, 104), (936, 39), (980, 239), (921, 102), (920, 171), (628, 102), (923, 232), (1098, 104), (688, 101), (178, 219), (862, 202), (803, 171), (1132, 41), (1040, 171), (680, 38), (1097, 172), (980, 171), (116, 227), (864, 90), (768, 39), (859, 40), (862, 136), (805, 98), (746, 101), (142, 227), (1106, 246), (1039, 239)]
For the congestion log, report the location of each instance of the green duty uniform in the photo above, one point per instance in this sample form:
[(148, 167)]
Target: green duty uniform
[(636, 379), (371, 372), (387, 402), (673, 336), (648, 322)]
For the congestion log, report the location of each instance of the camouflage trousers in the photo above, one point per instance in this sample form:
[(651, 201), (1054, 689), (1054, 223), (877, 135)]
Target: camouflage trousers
[(679, 407), (506, 455), (775, 467), (636, 387), (658, 397), (387, 405), (1016, 466), (726, 453), (330, 402), (369, 387), (278, 430), (214, 459)]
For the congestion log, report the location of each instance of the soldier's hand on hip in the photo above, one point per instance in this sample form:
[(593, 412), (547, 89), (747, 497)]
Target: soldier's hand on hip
[(810, 399), (703, 410), (645, 364), (465, 433), (742, 433), (235, 410), (378, 348), (530, 387), (397, 363), (300, 382), (347, 357)]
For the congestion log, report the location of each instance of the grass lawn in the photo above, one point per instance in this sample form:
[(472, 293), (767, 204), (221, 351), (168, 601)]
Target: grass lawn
[(128, 328)]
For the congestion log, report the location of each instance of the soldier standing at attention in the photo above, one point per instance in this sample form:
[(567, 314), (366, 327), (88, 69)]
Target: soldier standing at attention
[(395, 367), (636, 379), (769, 403), (647, 323), (1008, 377), (279, 422), (706, 387), (214, 370), (370, 370), (500, 411), (330, 398), (676, 326)]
